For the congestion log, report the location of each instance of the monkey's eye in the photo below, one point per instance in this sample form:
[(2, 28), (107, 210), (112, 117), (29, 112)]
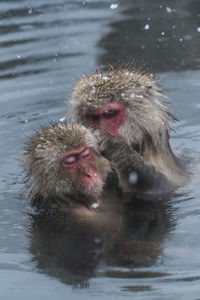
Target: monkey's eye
[(110, 113), (85, 153), (94, 118), (70, 160)]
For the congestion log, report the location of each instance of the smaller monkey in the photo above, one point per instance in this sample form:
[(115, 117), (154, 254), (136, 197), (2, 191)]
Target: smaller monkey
[(64, 169), (125, 104)]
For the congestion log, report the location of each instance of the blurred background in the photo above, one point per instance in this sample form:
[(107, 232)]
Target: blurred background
[(44, 47)]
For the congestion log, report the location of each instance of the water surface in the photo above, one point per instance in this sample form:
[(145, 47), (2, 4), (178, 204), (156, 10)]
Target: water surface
[(44, 47)]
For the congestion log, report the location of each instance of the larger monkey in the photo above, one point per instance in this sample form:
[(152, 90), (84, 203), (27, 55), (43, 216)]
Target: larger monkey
[(65, 171), (125, 103)]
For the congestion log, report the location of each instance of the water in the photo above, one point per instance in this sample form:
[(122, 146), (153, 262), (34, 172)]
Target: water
[(44, 47)]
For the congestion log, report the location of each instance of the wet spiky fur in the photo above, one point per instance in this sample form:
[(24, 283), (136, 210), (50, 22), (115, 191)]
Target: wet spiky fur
[(48, 184), (147, 129), (136, 91)]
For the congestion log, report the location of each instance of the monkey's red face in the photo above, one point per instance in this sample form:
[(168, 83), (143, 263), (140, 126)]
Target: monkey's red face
[(109, 119), (80, 165)]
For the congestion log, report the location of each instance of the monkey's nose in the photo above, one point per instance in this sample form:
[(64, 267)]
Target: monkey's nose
[(88, 175)]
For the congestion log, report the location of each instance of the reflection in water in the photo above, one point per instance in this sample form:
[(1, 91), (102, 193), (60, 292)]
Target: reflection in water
[(158, 35), (63, 248), (130, 236), (44, 46)]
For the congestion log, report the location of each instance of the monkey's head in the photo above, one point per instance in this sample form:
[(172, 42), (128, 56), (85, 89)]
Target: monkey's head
[(63, 161), (123, 102)]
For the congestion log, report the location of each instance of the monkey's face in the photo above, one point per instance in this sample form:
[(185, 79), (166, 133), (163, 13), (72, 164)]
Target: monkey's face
[(109, 118), (79, 164), (124, 102), (64, 160)]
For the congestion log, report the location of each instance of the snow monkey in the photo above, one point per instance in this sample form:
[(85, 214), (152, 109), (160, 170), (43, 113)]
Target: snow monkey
[(64, 169), (125, 105)]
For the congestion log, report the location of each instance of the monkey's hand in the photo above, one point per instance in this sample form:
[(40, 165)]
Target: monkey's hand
[(132, 169), (110, 145)]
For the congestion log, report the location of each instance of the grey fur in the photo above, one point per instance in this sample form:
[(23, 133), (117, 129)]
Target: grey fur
[(146, 130), (49, 186)]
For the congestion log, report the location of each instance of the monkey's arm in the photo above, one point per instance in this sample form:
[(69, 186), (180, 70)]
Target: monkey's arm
[(135, 174)]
